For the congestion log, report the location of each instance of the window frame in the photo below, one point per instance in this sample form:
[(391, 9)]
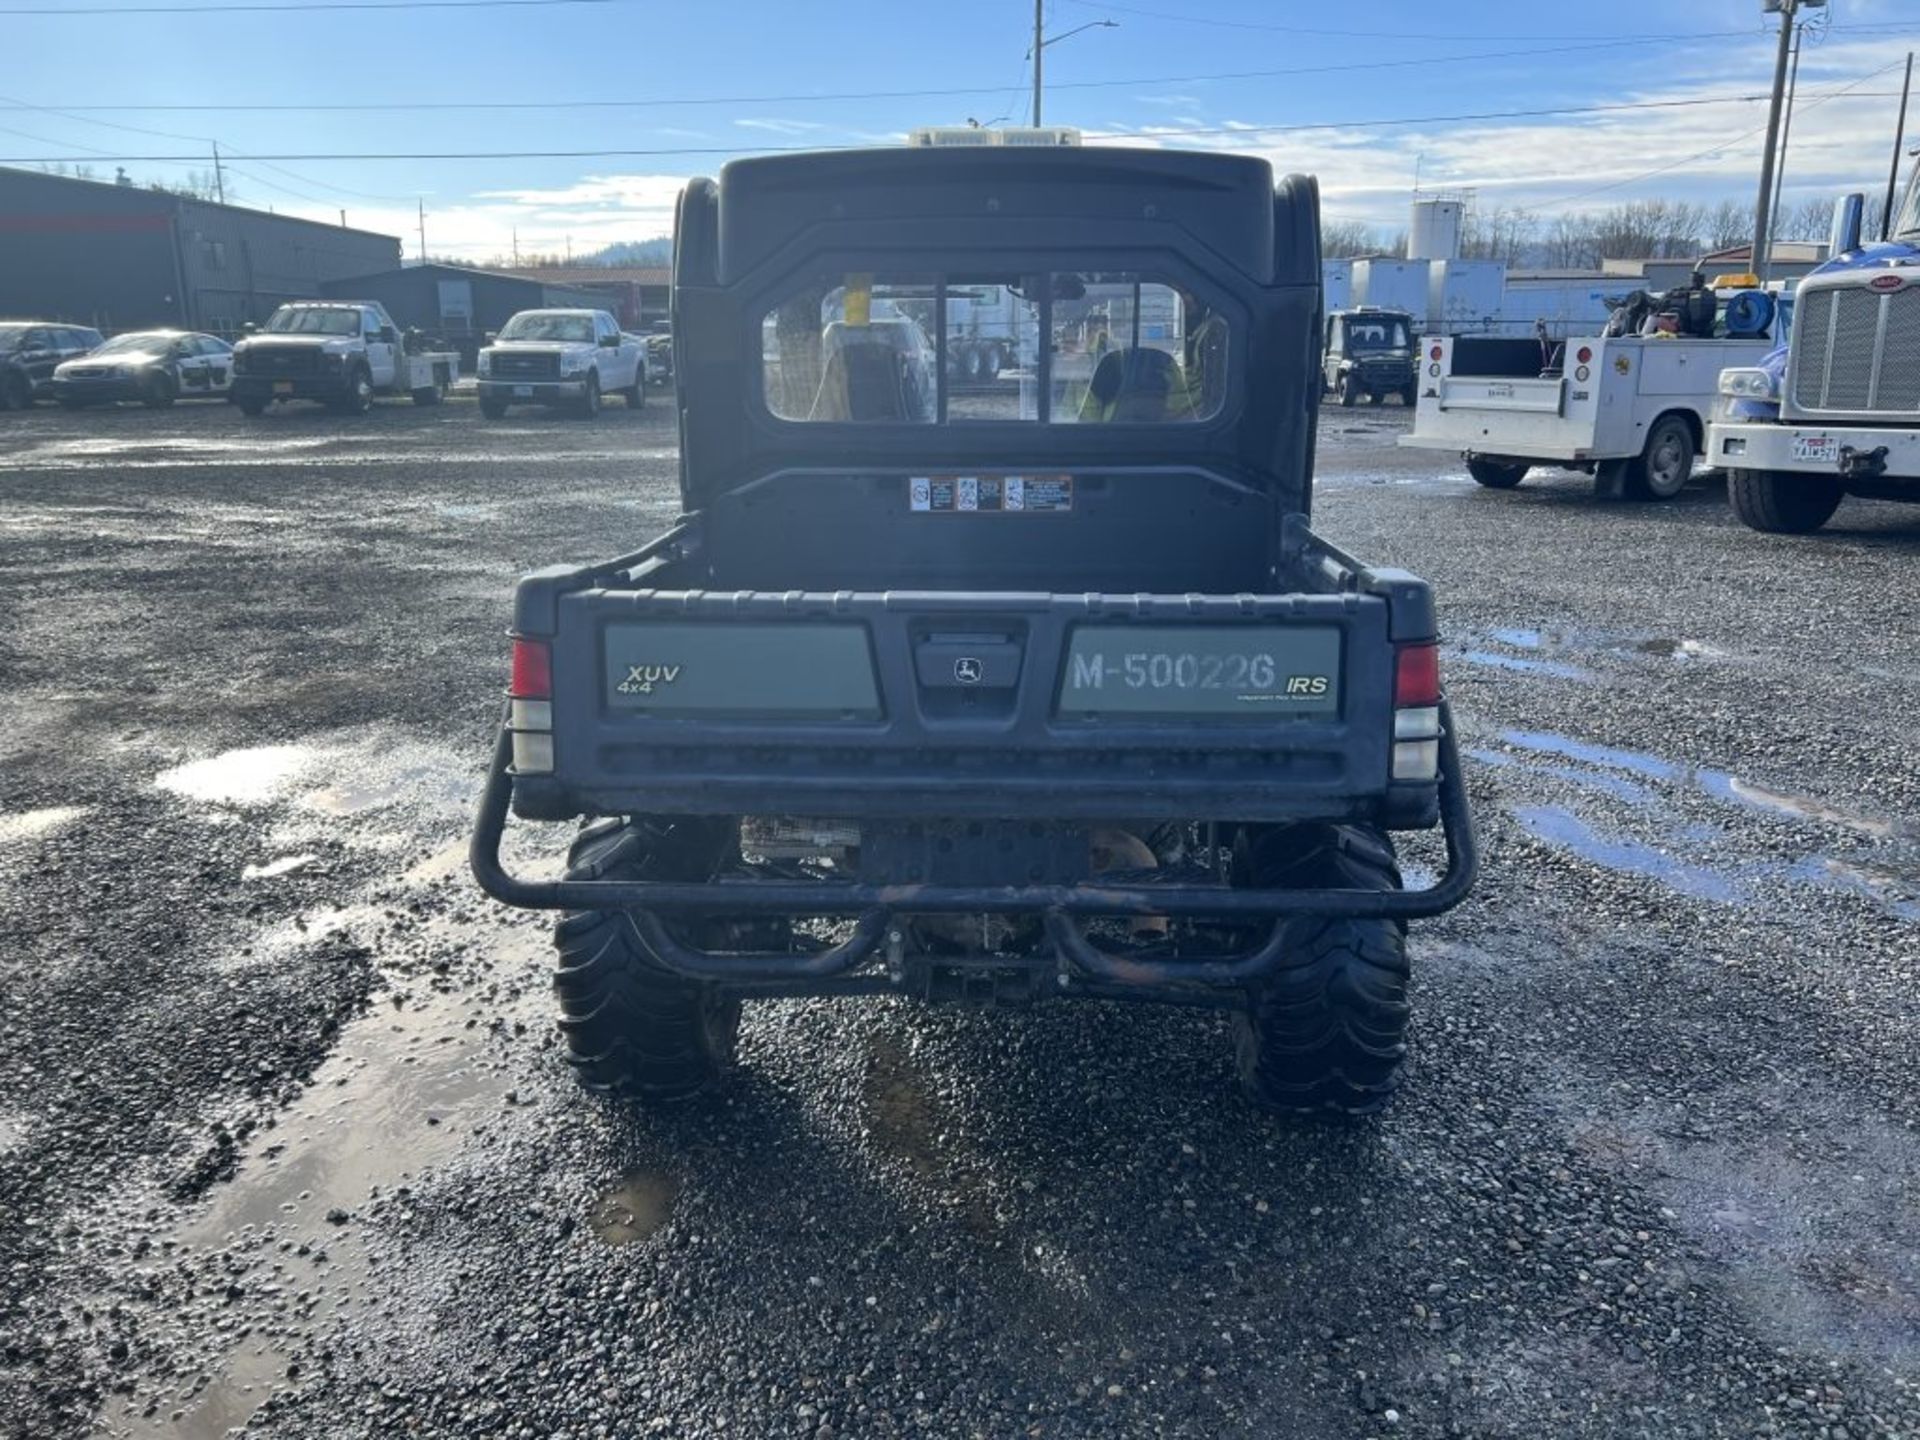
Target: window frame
[(949, 270)]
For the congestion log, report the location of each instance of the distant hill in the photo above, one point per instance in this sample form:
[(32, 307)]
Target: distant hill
[(657, 251)]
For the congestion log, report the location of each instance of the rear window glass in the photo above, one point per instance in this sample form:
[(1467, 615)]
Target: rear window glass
[(1060, 347)]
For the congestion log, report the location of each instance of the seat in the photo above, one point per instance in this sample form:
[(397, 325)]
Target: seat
[(1137, 385)]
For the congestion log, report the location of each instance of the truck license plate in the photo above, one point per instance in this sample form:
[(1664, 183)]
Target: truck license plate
[(283, 387), (523, 392), (1816, 449)]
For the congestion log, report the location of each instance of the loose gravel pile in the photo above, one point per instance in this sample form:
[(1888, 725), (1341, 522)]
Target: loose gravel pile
[(286, 1144)]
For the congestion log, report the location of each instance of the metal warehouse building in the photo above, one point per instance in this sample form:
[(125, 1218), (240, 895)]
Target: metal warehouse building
[(457, 305), (121, 257)]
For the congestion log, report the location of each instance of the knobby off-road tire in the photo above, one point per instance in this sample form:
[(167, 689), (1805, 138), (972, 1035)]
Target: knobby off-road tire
[(1496, 474), (1782, 503), (629, 1026), (1325, 1034)]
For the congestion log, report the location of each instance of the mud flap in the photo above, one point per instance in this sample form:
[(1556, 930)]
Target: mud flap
[(1610, 480)]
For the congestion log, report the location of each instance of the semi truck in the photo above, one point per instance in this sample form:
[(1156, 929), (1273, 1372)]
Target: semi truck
[(1836, 410)]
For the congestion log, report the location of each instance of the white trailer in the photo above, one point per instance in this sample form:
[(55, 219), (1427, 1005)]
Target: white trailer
[(1631, 410), (1392, 285), (1336, 285), (1464, 297)]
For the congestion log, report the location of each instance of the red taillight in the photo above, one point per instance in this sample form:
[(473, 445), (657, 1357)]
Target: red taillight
[(1583, 354), (532, 670), (1434, 353), (1416, 676)]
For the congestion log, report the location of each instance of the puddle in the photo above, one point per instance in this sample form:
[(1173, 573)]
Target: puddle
[(439, 865), (1900, 895), (433, 781), (1559, 670), (238, 777), (634, 1209), (1568, 831), (901, 1114), (1799, 807), (285, 865), (1633, 761), (31, 824)]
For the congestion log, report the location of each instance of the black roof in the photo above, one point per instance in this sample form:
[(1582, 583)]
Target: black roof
[(1223, 202)]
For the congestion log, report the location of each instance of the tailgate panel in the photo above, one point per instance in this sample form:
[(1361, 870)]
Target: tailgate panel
[(1528, 397)]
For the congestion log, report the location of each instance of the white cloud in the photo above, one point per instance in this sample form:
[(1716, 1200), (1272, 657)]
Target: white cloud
[(783, 127)]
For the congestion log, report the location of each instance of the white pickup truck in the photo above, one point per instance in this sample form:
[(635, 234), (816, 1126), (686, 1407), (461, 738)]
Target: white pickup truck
[(562, 357), (341, 353), (1631, 410)]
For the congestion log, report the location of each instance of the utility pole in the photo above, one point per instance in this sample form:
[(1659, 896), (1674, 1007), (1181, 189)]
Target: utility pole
[(1039, 50), (343, 219), (423, 230), (1899, 135), (516, 247), (1789, 12), (219, 176), (1780, 165)]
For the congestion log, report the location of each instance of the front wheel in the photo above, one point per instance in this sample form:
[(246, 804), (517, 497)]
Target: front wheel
[(251, 405), (1494, 473), (358, 399), (1349, 391), (159, 392), (629, 1025), (1781, 503), (590, 399), (16, 391), (635, 394), (1410, 396), (1325, 1033), (493, 409), (1665, 464)]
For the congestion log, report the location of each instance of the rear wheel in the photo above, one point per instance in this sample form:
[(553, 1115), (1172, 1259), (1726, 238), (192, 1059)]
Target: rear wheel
[(1782, 503), (630, 1026), (431, 394), (1665, 464), (1494, 473), (1325, 1033), (16, 391)]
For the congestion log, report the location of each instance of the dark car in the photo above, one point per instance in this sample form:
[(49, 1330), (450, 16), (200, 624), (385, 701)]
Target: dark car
[(994, 698), (29, 352), (1369, 353), (155, 367)]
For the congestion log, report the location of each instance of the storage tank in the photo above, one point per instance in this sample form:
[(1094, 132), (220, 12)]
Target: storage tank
[(1435, 233), (1336, 282), (1464, 296), (1392, 285)]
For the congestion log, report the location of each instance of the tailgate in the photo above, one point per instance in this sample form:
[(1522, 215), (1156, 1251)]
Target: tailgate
[(1530, 397), (1002, 705)]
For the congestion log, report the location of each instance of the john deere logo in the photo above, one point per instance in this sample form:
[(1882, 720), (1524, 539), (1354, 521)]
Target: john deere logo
[(967, 670)]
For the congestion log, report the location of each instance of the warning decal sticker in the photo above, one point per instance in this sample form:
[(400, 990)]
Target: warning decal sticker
[(989, 494)]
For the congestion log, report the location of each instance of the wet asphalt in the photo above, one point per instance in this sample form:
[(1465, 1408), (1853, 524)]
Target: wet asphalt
[(285, 1141)]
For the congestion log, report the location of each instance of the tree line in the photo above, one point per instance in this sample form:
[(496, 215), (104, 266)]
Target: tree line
[(1580, 240)]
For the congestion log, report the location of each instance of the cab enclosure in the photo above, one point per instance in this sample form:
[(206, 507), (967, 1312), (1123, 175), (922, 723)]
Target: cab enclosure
[(994, 691)]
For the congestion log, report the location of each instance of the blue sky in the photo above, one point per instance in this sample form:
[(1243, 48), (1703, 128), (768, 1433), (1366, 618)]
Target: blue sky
[(709, 72)]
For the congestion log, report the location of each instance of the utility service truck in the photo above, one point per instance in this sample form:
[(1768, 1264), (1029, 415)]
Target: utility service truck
[(1836, 411), (1631, 409), (341, 353), (954, 702)]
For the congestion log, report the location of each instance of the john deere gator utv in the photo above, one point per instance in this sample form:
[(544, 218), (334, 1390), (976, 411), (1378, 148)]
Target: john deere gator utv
[(1028, 692)]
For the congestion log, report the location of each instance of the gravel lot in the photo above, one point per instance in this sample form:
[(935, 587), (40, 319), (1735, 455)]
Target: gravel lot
[(285, 1140)]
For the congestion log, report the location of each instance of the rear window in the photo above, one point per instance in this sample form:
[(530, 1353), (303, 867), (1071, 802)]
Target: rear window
[(1058, 347)]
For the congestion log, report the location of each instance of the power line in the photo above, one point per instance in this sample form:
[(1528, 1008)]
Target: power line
[(1242, 130), (804, 99), (303, 5), (1711, 150)]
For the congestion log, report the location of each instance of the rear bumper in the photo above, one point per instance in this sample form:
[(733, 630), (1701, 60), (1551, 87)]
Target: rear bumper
[(1481, 442), (532, 392), (1769, 446), (1060, 906)]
